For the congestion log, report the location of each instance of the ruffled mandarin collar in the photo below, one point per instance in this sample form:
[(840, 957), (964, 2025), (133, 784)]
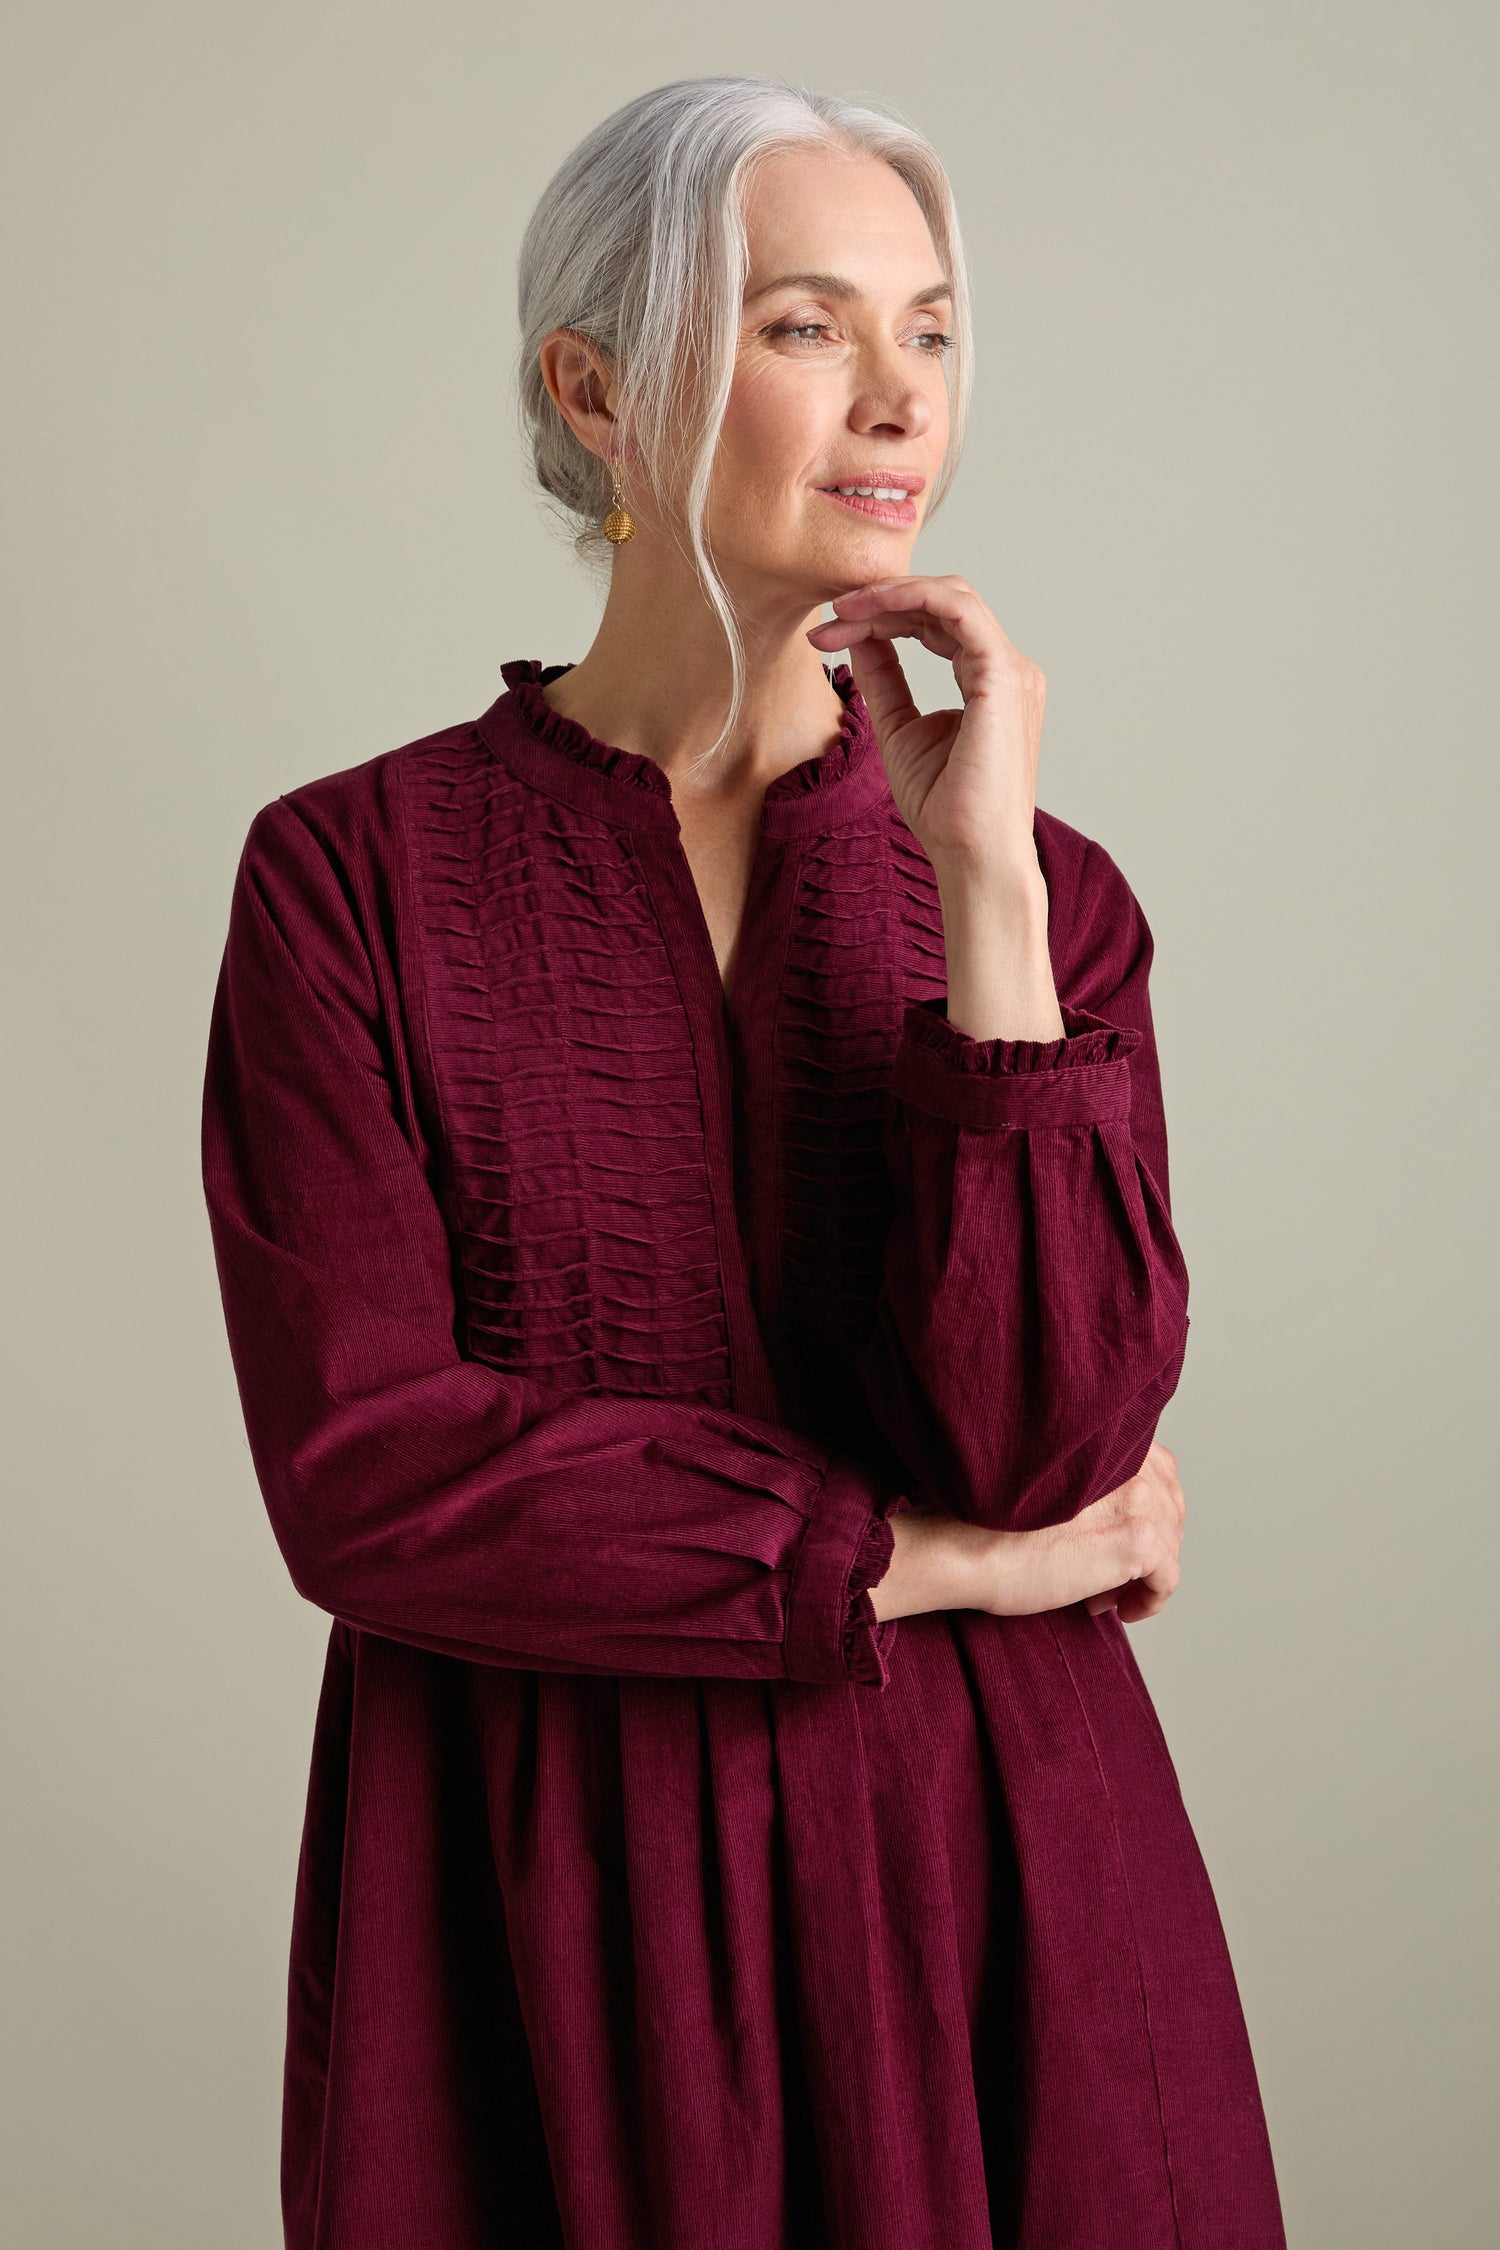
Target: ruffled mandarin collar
[(560, 755)]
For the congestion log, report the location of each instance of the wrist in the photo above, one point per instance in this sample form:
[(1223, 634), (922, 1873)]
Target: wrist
[(988, 885), (983, 1558), (937, 1561), (998, 959)]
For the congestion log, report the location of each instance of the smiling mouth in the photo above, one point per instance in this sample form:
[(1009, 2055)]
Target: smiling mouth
[(877, 503)]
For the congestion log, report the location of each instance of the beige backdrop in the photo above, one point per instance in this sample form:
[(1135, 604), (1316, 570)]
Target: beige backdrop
[(1231, 481)]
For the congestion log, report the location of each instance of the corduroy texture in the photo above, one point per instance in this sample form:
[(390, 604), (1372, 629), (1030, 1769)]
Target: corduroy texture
[(590, 1325)]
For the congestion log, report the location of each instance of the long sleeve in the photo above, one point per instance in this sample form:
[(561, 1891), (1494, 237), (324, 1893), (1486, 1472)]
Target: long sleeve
[(1032, 1319), (427, 1496)]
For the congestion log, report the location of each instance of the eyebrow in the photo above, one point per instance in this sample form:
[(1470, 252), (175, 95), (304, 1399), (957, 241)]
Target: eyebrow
[(834, 285)]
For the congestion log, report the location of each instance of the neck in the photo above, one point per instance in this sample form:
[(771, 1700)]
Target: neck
[(656, 679)]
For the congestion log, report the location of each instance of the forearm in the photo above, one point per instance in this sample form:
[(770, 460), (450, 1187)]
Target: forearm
[(1124, 1545), (937, 1562), (1000, 983)]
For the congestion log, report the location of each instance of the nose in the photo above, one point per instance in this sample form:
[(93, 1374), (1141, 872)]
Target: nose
[(888, 400)]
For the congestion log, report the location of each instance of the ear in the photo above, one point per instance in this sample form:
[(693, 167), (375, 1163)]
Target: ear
[(581, 385)]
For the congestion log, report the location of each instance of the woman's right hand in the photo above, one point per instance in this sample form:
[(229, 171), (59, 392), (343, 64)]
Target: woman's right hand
[(1120, 1553)]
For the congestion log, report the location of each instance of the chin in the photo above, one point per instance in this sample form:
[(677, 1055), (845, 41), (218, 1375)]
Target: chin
[(860, 562)]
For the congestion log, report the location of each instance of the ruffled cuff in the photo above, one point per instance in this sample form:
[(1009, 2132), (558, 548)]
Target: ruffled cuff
[(1081, 1079), (832, 1632), (867, 1639)]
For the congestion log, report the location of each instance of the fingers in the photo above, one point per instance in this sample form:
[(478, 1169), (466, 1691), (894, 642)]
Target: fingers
[(1144, 1520), (951, 600), (1144, 1597), (945, 614), (1163, 1462), (1144, 1594), (893, 624), (879, 676)]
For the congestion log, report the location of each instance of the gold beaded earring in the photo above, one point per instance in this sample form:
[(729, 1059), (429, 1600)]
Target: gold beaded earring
[(619, 524)]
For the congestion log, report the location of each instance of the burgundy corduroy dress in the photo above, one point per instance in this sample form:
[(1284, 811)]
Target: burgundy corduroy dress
[(589, 1324)]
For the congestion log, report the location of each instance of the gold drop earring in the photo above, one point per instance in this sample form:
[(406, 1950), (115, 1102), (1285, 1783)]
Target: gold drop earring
[(619, 524)]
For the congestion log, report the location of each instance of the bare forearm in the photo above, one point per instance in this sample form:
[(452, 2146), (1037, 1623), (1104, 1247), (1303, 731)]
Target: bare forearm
[(1120, 1551), (1000, 983), (937, 1562)]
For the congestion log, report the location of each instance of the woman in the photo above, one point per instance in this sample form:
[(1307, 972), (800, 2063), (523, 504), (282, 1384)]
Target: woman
[(686, 1164)]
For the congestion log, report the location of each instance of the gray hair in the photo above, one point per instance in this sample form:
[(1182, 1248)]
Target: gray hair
[(639, 242)]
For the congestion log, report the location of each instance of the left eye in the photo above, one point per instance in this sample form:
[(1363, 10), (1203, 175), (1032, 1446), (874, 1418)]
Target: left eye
[(816, 328)]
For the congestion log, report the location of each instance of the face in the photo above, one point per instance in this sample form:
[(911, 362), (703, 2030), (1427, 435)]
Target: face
[(838, 380)]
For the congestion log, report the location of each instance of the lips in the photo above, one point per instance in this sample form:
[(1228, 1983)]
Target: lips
[(909, 480), (879, 511)]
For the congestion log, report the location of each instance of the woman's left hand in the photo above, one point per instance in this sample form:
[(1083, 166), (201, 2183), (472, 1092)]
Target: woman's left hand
[(963, 781)]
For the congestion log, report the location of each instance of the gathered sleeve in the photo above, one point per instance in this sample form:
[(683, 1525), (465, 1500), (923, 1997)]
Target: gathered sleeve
[(429, 1497), (1032, 1318)]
